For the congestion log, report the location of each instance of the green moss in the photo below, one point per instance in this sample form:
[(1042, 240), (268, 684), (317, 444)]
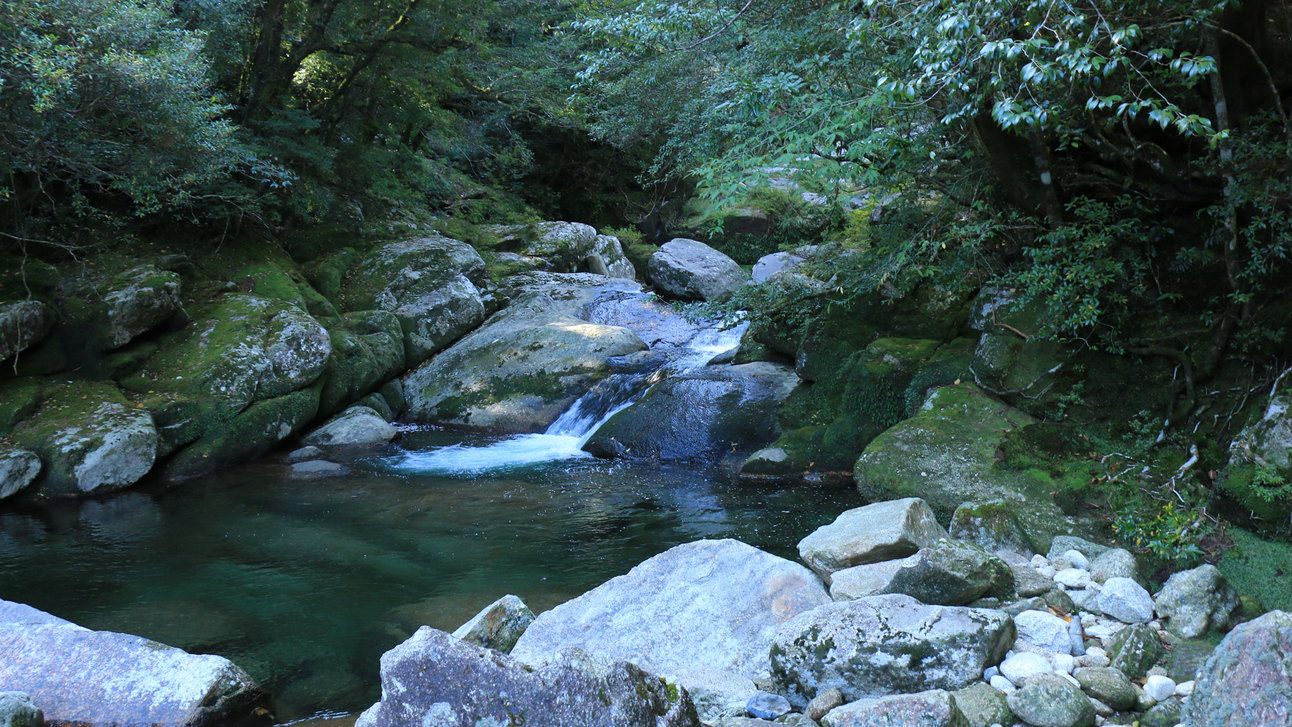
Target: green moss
[(1259, 568), (283, 282), (19, 398), (327, 274)]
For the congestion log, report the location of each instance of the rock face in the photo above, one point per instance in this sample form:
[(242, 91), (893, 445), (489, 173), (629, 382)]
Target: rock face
[(701, 613), (886, 645), (18, 468), (933, 708), (436, 680), (701, 414), (1196, 601), (524, 367), (428, 283), (877, 532), (946, 454), (355, 426), (367, 349), (22, 324), (692, 270), (499, 625), (91, 439), (1248, 679), (103, 678)]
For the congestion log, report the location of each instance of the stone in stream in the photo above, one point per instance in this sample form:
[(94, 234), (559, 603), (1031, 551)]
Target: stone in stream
[(357, 425), (876, 532), (434, 679), (886, 645), (1195, 601), (703, 613), (701, 414), (1248, 679), (932, 708), (498, 625), (91, 678), (691, 270)]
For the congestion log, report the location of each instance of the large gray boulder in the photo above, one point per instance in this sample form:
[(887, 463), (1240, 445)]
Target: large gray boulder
[(91, 440), (692, 270), (703, 613), (428, 283), (947, 573), (889, 644), (872, 533), (522, 368), (610, 254), (1196, 601), (22, 324), (358, 425), (933, 708), (701, 414), (1248, 679), (775, 264), (92, 678), (18, 468), (436, 680)]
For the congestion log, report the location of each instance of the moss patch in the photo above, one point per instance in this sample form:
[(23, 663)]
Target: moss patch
[(1259, 568)]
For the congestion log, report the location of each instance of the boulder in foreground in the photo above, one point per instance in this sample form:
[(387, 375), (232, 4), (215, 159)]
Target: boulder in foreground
[(436, 680), (1248, 679), (92, 678)]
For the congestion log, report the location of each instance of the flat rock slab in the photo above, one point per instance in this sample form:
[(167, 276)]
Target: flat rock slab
[(877, 532), (93, 678), (436, 680), (698, 612), (884, 645)]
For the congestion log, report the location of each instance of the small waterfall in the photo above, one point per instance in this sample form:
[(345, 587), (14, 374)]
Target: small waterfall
[(565, 437)]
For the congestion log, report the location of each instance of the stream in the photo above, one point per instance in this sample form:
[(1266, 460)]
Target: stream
[(305, 583)]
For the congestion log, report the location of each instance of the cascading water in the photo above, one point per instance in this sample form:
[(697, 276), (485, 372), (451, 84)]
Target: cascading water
[(564, 439)]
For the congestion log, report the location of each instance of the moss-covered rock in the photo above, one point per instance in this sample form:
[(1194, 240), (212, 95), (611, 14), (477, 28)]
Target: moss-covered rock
[(946, 454), (238, 350), (90, 438), (283, 282), (20, 397), (1011, 357), (367, 349), (1257, 568), (250, 434), (107, 312), (1134, 650), (22, 324)]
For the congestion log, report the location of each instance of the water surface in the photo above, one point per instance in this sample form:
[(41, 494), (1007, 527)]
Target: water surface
[(304, 583)]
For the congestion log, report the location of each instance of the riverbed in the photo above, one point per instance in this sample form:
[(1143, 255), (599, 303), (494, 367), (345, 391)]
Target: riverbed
[(305, 582)]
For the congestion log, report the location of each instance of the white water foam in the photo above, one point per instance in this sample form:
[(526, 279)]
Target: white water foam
[(565, 438)]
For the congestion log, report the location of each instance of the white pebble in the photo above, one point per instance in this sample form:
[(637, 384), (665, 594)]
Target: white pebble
[(989, 672), (1046, 570), (1159, 687), (1001, 684), (1021, 667), (1184, 689), (1064, 663), (1073, 578), (1077, 559)]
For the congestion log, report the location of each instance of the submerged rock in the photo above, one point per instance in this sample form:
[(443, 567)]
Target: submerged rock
[(886, 645), (701, 414), (703, 613), (438, 680), (355, 426), (692, 270), (92, 678), (1248, 679), (498, 625), (876, 532)]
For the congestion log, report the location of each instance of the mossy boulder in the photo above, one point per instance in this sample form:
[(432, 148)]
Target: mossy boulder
[(238, 350), (1134, 650), (367, 349), (519, 371), (109, 311), (428, 283), (946, 454), (700, 414), (953, 573), (23, 323), (247, 435), (1248, 680), (20, 398), (90, 438), (281, 281)]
